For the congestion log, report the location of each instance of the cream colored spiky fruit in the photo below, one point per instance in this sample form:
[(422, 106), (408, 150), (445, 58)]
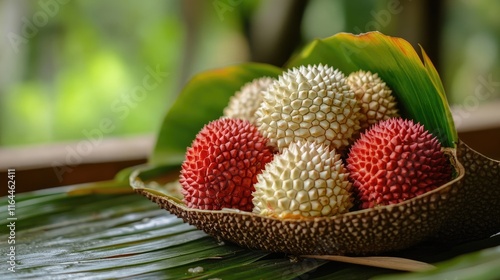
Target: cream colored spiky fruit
[(306, 180), (374, 97), (245, 102), (311, 103)]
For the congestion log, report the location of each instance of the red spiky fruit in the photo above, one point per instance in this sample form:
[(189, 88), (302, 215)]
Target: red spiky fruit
[(396, 160), (222, 165)]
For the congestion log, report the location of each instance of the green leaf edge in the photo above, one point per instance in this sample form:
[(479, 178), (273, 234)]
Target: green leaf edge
[(337, 51), (182, 122), (482, 264)]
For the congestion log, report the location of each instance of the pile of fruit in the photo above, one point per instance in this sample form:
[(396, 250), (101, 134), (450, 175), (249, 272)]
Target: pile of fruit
[(311, 143)]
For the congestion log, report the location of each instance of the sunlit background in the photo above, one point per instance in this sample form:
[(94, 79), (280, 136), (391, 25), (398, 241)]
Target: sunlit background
[(70, 66)]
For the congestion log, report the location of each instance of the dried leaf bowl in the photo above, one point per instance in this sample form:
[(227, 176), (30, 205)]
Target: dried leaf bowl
[(466, 208)]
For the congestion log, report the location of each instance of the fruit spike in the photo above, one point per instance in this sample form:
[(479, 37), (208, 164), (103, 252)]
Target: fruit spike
[(396, 160), (246, 101), (374, 97), (222, 164), (306, 180), (310, 103)]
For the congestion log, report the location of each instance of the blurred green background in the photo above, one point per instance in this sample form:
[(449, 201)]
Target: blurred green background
[(67, 66)]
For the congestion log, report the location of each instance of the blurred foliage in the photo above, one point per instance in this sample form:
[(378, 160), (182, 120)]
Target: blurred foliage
[(83, 60), (470, 51), (83, 63)]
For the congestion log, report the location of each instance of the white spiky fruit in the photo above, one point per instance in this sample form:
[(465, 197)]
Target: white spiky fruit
[(246, 101), (374, 97), (306, 180), (311, 103)]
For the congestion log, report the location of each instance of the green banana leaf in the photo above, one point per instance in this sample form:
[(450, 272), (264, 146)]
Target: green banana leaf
[(60, 234), (102, 231), (201, 101)]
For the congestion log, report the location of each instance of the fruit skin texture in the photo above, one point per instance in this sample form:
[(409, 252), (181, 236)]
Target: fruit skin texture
[(374, 97), (222, 164), (247, 100), (396, 160), (310, 103), (306, 180)]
